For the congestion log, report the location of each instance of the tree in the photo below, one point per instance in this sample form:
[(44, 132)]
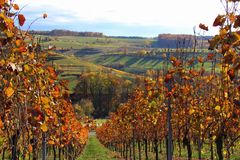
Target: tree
[(87, 107)]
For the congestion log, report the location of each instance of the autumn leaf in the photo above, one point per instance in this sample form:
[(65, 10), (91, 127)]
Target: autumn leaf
[(213, 42), (200, 59), (9, 91), (51, 142), (2, 2), (231, 73), (210, 56), (18, 42), (219, 21), (30, 148), (21, 19), (16, 7), (218, 108), (44, 127), (45, 15), (177, 63), (191, 111), (203, 26), (168, 77), (237, 22), (45, 100), (1, 124), (234, 1)]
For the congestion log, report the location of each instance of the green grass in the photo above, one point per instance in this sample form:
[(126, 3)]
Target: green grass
[(96, 151)]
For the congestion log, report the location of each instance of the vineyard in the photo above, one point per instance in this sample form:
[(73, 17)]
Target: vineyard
[(187, 109), (37, 119), (182, 111)]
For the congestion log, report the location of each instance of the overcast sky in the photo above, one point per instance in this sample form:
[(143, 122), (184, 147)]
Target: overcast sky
[(123, 17)]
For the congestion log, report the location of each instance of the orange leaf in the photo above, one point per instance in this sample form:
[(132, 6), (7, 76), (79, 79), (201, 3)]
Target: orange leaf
[(21, 19), (18, 42), (44, 127), (1, 124), (200, 59), (9, 91), (30, 149), (2, 2), (16, 7), (51, 142)]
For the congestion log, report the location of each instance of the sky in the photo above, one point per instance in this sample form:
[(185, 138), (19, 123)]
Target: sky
[(146, 18)]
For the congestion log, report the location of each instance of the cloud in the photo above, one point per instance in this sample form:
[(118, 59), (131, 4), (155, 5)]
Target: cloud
[(146, 13)]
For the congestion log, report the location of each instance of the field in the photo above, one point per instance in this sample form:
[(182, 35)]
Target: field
[(132, 55)]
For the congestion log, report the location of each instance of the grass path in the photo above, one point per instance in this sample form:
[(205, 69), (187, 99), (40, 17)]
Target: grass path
[(96, 151)]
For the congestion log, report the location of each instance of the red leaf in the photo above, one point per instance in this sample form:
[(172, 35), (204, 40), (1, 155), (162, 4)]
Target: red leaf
[(21, 19)]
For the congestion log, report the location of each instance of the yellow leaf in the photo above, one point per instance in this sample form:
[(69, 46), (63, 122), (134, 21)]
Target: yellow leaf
[(191, 111), (218, 108), (9, 34), (214, 137), (26, 68), (45, 100), (226, 94), (44, 127), (9, 91)]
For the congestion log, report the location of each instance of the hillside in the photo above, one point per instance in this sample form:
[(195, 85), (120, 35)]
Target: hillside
[(70, 68), (133, 55)]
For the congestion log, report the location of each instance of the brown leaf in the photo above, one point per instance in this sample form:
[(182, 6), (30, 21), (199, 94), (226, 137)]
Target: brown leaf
[(21, 19), (231, 73), (203, 26), (219, 21), (237, 22), (45, 15)]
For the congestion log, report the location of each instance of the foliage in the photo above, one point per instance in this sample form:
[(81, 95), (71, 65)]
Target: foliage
[(35, 109), (87, 107), (204, 105)]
